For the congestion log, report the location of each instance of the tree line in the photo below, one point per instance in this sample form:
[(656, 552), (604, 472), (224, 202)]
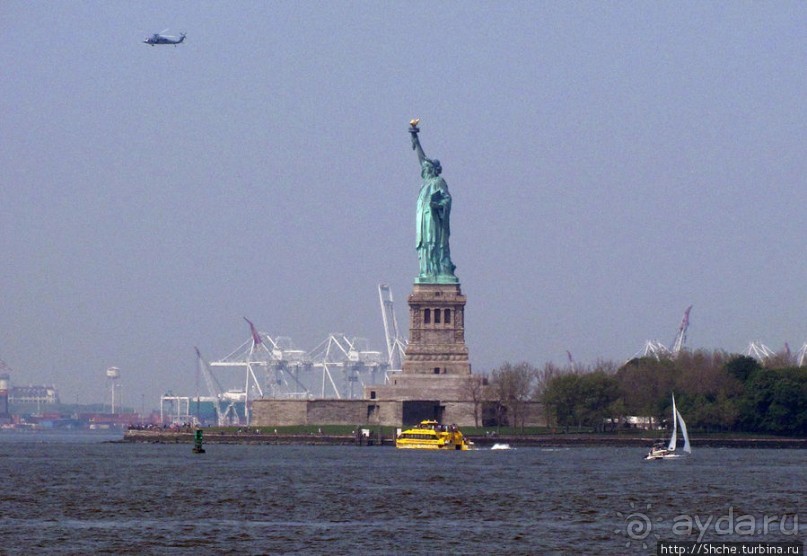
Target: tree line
[(715, 391)]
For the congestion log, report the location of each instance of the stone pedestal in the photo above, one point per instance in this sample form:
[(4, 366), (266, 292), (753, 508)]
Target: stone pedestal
[(436, 332), (436, 364)]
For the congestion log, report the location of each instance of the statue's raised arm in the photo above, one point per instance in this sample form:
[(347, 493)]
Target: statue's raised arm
[(414, 130)]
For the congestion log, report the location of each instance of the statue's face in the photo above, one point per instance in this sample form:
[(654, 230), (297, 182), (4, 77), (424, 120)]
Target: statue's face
[(428, 169)]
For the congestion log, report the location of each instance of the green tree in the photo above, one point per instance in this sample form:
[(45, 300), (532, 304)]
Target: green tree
[(562, 400), (775, 401), (742, 367), (584, 399), (703, 372), (645, 385), (598, 392)]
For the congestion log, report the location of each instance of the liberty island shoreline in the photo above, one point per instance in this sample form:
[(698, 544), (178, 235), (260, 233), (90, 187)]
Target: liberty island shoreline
[(257, 436)]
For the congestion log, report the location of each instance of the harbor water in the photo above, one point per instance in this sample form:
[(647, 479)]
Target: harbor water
[(77, 494)]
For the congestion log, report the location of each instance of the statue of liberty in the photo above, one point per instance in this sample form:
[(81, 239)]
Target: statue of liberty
[(432, 220)]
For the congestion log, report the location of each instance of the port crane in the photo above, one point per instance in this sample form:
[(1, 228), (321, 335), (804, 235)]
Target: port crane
[(274, 369), (396, 344), (759, 351), (339, 367), (228, 415), (654, 349), (681, 337), (262, 353), (657, 350), (350, 356)]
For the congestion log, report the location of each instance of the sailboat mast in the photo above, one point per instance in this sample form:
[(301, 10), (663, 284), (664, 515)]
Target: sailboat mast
[(673, 440)]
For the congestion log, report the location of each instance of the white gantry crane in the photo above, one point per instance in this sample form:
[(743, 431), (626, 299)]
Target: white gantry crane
[(339, 367), (262, 356), (224, 402), (396, 344), (343, 364), (654, 349), (287, 369), (657, 350), (801, 356), (759, 351)]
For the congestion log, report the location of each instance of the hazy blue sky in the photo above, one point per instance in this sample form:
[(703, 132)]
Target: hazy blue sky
[(611, 163)]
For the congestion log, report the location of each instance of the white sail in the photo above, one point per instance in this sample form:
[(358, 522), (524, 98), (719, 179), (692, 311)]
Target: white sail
[(673, 440), (687, 447)]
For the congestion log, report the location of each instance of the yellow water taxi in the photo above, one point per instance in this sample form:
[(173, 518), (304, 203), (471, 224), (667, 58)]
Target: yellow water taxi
[(430, 435)]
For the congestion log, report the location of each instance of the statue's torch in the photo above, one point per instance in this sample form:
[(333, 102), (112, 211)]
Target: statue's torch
[(414, 130)]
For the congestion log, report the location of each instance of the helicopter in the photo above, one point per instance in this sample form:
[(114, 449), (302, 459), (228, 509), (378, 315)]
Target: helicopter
[(159, 38)]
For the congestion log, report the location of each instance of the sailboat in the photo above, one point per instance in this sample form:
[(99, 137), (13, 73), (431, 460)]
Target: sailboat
[(668, 452)]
